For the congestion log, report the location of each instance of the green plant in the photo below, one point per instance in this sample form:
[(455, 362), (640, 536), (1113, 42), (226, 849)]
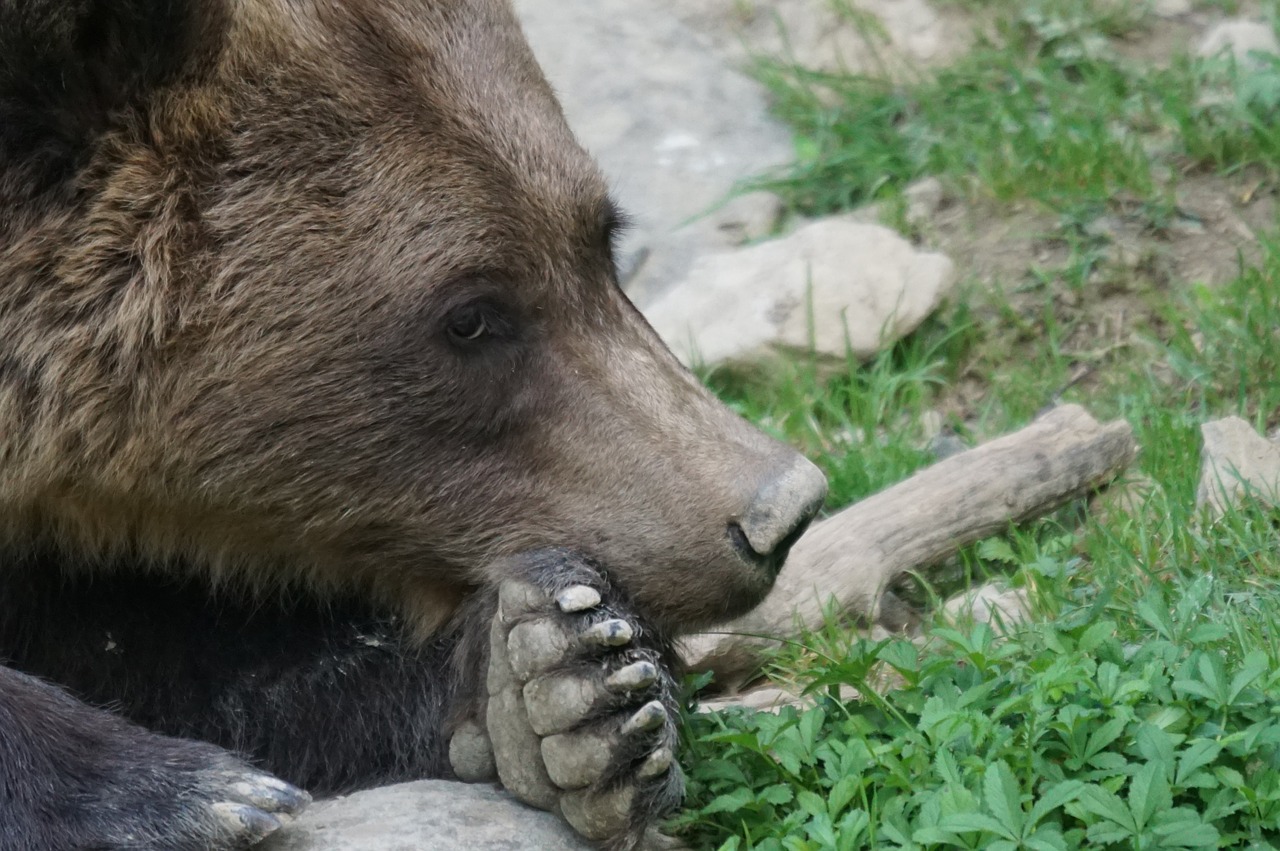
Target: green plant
[(1151, 732), (1141, 709)]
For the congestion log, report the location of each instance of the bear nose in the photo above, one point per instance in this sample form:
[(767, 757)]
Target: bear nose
[(779, 513)]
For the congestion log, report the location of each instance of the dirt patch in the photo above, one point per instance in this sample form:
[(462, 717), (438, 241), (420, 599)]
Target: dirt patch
[(1165, 36), (1214, 228), (1108, 281), (1220, 220)]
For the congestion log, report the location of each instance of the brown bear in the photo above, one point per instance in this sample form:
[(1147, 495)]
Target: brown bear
[(328, 442)]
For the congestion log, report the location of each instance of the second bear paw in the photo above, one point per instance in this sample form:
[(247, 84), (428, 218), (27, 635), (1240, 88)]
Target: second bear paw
[(582, 707)]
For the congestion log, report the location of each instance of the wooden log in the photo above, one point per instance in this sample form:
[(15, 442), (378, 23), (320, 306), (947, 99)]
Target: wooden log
[(846, 562)]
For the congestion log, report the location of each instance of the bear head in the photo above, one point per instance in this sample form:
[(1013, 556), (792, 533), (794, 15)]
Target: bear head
[(324, 291)]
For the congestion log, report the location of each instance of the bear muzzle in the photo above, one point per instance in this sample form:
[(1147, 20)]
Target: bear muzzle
[(778, 514)]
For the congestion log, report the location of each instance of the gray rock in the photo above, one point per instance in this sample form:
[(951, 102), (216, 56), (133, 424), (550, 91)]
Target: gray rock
[(1172, 8), (1236, 461), (429, 814), (831, 281), (1129, 496), (746, 218), (999, 607), (1240, 38), (674, 127), (924, 198), (945, 444)]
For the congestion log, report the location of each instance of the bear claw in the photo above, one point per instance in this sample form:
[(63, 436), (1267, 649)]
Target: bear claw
[(651, 716), (656, 764), (611, 633), (244, 820), (636, 676), (578, 598), (256, 805), (271, 795)]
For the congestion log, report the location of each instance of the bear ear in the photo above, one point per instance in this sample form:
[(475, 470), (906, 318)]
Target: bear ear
[(66, 66)]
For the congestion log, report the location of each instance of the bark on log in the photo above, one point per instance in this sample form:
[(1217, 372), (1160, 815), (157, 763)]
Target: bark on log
[(846, 562)]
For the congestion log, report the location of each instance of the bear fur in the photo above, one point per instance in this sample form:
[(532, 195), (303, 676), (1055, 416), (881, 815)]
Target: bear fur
[(311, 349)]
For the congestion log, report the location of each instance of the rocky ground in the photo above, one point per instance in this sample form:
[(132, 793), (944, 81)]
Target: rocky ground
[(427, 814), (656, 90), (676, 137)]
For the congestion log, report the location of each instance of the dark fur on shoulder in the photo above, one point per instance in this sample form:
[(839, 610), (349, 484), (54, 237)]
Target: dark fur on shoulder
[(329, 695)]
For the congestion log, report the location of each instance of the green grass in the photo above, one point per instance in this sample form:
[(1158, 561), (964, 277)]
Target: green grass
[(1045, 109), (1141, 709)]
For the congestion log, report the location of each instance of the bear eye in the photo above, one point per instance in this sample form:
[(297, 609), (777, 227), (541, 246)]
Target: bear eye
[(472, 322), (470, 326)]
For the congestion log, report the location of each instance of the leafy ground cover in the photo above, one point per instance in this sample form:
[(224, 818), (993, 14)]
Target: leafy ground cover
[(1141, 709)]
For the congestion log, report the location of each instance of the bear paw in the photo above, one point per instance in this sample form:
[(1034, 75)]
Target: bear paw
[(247, 805), (582, 706), (193, 798)]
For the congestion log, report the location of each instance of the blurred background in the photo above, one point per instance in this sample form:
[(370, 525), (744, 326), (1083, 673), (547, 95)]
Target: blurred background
[(891, 230)]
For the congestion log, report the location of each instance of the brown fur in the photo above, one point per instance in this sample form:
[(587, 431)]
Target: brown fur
[(224, 337)]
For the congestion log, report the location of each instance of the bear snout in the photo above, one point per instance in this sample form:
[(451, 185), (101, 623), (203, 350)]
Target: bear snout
[(778, 514)]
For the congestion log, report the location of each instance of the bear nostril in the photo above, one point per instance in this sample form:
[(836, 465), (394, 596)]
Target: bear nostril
[(771, 561), (767, 561), (779, 513)]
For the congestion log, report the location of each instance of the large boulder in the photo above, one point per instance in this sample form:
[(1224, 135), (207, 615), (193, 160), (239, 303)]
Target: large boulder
[(835, 285), (427, 814)]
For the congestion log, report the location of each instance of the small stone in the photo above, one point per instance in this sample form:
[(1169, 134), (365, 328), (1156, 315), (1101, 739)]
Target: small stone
[(1127, 497), (1172, 8), (1240, 38), (945, 444), (1002, 608), (931, 424), (924, 199), (1236, 462), (1105, 227)]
